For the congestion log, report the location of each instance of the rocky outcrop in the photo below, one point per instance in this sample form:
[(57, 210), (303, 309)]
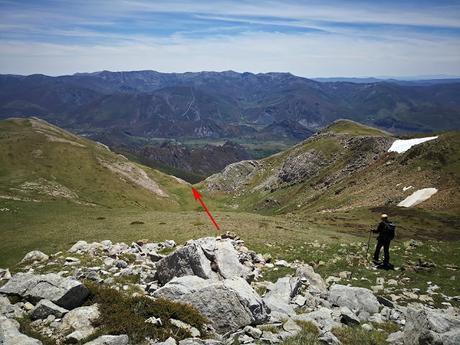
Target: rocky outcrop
[(44, 308), (34, 256), (430, 327), (234, 177), (279, 296), (10, 335), (78, 323), (214, 276), (206, 258), (301, 166), (359, 300), (65, 292), (315, 281), (229, 304)]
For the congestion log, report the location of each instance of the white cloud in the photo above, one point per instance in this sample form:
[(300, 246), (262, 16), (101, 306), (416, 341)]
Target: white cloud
[(301, 54)]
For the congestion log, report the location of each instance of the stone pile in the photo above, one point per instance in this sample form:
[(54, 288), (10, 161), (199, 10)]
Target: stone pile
[(220, 277)]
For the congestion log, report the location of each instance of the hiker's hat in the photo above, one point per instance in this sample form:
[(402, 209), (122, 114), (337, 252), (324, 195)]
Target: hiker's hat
[(384, 216)]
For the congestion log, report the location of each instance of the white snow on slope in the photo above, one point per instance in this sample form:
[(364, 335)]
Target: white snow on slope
[(401, 145), (418, 197)]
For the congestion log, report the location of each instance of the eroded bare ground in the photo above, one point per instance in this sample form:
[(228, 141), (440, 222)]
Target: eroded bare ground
[(133, 173)]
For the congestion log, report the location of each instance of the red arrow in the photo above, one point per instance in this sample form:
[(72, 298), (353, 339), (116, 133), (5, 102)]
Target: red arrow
[(197, 196)]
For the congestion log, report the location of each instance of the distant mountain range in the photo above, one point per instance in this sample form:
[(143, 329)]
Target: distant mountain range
[(225, 104)]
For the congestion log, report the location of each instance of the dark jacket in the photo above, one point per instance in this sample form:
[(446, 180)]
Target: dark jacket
[(383, 231)]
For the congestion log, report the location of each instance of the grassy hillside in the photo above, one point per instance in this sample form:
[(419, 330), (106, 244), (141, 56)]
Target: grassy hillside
[(344, 167), (56, 187), (42, 163)]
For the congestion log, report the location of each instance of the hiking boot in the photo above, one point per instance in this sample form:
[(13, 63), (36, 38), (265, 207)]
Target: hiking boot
[(386, 266), (376, 262)]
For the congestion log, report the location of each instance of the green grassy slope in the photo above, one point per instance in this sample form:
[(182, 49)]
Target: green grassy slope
[(348, 167), (41, 163), (56, 187)]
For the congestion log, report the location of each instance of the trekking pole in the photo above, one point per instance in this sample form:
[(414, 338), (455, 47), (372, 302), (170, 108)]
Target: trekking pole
[(368, 242)]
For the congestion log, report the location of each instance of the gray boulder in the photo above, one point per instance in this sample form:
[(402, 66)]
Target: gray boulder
[(44, 308), (77, 324), (10, 335), (65, 292), (169, 341), (316, 282), (229, 304), (395, 338), (430, 327), (321, 318), (9, 310), (110, 340), (279, 297), (35, 256), (348, 318), (79, 247), (206, 258), (360, 300)]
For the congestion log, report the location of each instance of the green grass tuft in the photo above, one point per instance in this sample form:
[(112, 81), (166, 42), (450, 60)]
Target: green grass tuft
[(121, 314)]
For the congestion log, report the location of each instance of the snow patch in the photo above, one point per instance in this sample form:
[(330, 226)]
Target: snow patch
[(418, 197), (407, 188), (402, 146)]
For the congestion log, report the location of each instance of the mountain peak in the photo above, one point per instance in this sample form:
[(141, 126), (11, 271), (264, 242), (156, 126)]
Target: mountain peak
[(344, 126)]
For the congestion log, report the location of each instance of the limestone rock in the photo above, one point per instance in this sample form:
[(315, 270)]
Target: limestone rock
[(322, 318), (347, 317), (110, 340), (291, 327), (77, 323), (9, 310), (430, 327), (279, 297), (359, 300), (65, 292), (79, 247), (169, 341), (229, 304), (35, 256), (395, 338), (316, 282), (206, 258), (10, 335), (253, 332), (44, 308)]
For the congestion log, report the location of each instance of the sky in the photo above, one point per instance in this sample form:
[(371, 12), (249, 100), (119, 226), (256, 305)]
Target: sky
[(308, 38)]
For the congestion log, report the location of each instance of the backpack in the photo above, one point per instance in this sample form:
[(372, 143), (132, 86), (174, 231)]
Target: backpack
[(390, 230)]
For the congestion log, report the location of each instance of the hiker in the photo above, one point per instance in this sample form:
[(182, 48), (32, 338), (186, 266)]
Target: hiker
[(386, 231)]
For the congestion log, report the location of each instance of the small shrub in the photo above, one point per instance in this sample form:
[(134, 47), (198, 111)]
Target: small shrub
[(308, 326), (26, 328), (358, 335), (128, 257), (387, 326), (166, 251), (122, 314)]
